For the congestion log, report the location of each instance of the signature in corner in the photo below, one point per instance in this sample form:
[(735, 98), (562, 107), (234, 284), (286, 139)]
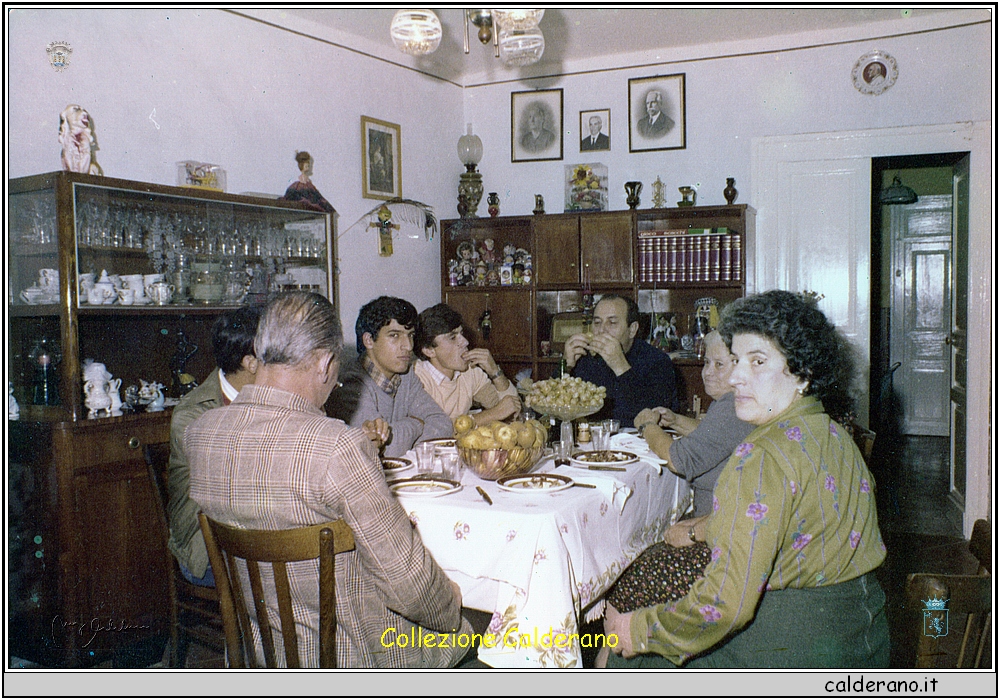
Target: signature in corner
[(92, 627)]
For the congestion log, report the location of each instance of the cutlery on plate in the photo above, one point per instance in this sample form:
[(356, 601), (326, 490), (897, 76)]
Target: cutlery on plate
[(607, 469), (583, 485), (486, 496)]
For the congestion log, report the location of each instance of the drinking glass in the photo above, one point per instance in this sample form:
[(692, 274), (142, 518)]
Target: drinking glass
[(563, 451), (600, 436), (452, 466), (425, 457), (612, 426)]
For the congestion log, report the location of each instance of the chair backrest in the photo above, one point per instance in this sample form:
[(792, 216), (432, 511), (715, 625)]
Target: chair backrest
[(157, 455), (864, 439), (226, 544), (967, 606)]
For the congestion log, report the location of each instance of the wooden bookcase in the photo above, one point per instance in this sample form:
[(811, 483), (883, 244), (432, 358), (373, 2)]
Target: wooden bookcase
[(575, 253)]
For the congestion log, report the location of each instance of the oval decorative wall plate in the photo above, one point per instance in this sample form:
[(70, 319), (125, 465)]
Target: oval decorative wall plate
[(874, 73)]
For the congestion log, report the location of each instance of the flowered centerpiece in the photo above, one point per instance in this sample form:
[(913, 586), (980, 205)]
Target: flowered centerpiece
[(587, 187)]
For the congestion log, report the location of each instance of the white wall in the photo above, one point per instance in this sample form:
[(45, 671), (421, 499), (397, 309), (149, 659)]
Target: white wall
[(229, 90), (944, 77), (235, 92)]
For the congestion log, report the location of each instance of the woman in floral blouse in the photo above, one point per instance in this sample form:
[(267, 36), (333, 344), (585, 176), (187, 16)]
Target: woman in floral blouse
[(793, 529)]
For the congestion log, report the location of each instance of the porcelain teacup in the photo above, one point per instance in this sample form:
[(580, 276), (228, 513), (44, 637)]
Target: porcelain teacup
[(49, 279), (160, 292), (86, 282), (101, 293), (151, 280), (126, 296)]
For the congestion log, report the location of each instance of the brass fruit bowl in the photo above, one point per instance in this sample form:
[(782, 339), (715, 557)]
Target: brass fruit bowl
[(496, 464)]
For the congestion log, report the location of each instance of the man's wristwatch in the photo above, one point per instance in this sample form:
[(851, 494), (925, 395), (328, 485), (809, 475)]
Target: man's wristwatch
[(691, 534), (642, 428), (496, 376)]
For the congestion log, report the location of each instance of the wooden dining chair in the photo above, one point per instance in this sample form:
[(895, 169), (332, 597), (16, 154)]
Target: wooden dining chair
[(275, 547), (194, 610), (967, 610)]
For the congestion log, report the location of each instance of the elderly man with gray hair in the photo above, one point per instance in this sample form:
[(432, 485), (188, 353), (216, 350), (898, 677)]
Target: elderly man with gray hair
[(273, 460), (655, 123)]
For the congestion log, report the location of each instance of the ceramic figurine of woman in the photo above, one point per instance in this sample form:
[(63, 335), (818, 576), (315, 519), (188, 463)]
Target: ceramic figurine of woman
[(303, 190)]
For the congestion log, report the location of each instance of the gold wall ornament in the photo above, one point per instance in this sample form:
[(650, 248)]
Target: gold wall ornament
[(658, 198)]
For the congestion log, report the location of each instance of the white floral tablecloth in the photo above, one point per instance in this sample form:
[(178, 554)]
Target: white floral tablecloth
[(538, 560)]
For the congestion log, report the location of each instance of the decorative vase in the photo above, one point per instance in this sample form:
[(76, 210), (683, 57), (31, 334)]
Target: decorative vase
[(493, 204), (470, 184), (539, 205), (730, 192), (632, 190)]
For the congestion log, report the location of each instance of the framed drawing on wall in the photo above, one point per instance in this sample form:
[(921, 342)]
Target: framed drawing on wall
[(656, 113), (381, 158), (595, 130), (536, 125)]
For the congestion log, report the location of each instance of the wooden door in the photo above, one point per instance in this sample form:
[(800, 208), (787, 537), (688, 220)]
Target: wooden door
[(120, 574), (557, 250), (606, 248), (921, 312), (510, 316), (957, 338)]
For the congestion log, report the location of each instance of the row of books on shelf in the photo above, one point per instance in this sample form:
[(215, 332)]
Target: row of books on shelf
[(690, 255)]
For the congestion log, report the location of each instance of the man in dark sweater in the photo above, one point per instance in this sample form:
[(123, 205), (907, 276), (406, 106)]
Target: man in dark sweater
[(636, 375)]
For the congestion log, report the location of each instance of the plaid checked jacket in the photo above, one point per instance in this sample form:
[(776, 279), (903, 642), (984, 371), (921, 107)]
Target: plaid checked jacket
[(271, 460)]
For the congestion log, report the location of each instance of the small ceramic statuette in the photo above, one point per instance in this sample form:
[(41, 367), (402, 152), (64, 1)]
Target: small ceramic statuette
[(76, 135), (151, 395), (13, 410)]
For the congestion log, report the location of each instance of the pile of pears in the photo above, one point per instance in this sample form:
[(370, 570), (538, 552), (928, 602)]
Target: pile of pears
[(499, 435)]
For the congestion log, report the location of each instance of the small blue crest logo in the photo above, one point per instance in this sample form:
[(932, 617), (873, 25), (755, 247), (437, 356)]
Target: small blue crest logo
[(935, 617), (59, 52)]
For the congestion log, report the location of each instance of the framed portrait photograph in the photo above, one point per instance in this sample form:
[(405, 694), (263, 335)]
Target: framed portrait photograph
[(381, 158), (656, 113), (536, 125), (595, 130)]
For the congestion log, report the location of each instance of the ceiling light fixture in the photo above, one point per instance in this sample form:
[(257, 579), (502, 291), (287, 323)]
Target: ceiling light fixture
[(897, 193), (514, 32), (416, 32)]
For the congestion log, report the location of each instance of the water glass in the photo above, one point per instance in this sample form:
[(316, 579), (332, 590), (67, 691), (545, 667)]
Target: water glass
[(451, 466), (425, 457), (612, 426), (563, 451), (600, 436)]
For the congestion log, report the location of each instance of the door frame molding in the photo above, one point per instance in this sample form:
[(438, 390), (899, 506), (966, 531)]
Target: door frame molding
[(974, 137)]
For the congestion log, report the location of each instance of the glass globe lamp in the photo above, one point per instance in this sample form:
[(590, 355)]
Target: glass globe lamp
[(416, 32), (521, 47)]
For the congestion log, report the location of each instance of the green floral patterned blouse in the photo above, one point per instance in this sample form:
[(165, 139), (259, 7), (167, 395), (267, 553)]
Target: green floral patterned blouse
[(793, 508)]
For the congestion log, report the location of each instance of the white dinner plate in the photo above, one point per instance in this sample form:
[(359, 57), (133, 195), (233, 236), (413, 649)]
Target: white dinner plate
[(604, 458), (427, 486), (394, 465), (535, 483)]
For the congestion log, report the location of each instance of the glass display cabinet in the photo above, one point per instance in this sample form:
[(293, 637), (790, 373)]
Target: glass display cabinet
[(131, 275)]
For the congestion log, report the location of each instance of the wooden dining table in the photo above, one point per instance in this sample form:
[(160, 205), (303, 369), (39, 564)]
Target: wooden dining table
[(541, 559)]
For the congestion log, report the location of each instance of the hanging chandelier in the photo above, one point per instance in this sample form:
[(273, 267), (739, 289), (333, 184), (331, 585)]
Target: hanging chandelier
[(416, 32), (515, 35)]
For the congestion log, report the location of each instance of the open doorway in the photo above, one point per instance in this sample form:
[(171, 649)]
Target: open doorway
[(919, 281)]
